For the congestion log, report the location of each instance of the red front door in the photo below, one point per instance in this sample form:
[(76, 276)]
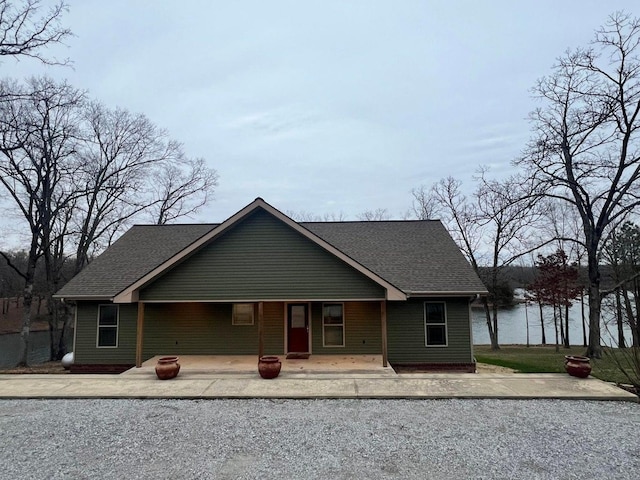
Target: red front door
[(298, 327)]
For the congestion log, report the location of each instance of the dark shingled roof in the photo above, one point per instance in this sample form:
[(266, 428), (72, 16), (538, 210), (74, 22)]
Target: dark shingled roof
[(141, 249), (415, 256)]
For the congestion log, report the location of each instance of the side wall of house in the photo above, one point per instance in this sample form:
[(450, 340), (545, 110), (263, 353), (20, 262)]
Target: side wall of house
[(207, 329), (406, 333), (362, 330), (86, 350)]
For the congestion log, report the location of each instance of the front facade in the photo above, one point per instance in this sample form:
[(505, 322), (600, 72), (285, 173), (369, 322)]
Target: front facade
[(263, 284)]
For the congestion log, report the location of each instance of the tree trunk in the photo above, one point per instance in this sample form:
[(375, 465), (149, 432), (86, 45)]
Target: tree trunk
[(567, 342), (26, 324), (495, 345), (584, 320), (594, 349), (487, 313), (63, 347), (544, 336), (555, 325), (561, 322), (619, 321)]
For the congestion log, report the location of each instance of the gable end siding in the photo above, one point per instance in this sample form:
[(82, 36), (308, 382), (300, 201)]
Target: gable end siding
[(261, 258), (406, 333)]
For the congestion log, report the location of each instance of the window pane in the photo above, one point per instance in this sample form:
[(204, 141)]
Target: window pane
[(107, 336), (298, 316), (435, 312), (333, 336), (243, 314), (436, 335), (333, 314), (109, 315)]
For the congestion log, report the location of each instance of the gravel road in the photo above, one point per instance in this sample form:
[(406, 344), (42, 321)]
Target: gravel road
[(326, 439)]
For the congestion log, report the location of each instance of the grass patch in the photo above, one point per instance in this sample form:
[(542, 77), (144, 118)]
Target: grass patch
[(545, 359)]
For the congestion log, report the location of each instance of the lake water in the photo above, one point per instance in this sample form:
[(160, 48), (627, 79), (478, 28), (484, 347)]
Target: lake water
[(39, 348), (512, 325)]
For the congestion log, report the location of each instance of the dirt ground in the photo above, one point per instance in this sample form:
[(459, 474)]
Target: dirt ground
[(48, 367), (11, 320)]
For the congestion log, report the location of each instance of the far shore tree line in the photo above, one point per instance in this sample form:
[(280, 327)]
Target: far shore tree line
[(78, 173)]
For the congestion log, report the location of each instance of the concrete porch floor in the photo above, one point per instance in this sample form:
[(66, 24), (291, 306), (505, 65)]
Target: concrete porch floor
[(248, 364)]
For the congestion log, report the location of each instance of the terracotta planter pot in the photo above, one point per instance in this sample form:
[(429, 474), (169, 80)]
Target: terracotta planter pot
[(577, 366), (167, 367), (269, 367)]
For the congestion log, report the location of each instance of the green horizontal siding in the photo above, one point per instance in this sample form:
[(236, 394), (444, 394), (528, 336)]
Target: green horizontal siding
[(273, 328), (196, 329), (363, 331), (262, 258), (85, 350), (405, 333)]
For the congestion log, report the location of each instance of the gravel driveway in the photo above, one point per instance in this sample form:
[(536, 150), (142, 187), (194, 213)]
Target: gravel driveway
[(328, 439)]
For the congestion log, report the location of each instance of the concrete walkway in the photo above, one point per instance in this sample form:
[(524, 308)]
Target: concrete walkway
[(191, 385)]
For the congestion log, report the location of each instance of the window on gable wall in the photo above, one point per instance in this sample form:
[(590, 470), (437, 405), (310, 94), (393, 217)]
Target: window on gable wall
[(107, 326), (435, 324)]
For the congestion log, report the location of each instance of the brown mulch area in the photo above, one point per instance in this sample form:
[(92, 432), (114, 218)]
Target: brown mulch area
[(48, 367)]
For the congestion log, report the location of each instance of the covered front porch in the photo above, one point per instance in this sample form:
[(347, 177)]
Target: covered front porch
[(248, 365)]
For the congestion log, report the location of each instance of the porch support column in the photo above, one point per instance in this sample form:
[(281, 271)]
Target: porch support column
[(139, 334), (383, 324), (260, 329)]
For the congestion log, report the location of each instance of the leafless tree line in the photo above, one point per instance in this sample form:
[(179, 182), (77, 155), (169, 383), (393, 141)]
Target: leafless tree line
[(77, 173)]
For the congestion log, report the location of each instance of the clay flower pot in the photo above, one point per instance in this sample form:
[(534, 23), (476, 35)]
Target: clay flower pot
[(269, 367), (577, 366), (167, 367)]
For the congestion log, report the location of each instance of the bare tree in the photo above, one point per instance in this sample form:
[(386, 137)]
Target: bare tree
[(26, 30), (424, 205), (38, 137), (181, 187), (493, 229), (585, 148), (304, 216), (373, 215), (119, 155)]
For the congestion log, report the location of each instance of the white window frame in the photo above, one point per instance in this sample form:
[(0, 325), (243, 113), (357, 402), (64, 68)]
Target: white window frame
[(344, 333), (116, 326), (445, 324), (234, 321)]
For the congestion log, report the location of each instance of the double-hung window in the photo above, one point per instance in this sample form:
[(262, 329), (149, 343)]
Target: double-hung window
[(243, 314), (333, 325), (435, 324), (107, 326)]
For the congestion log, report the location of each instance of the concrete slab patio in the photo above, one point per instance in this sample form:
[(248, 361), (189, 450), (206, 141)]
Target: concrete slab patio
[(193, 385)]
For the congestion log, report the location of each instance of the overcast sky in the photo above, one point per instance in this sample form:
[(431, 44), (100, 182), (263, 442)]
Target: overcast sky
[(327, 106)]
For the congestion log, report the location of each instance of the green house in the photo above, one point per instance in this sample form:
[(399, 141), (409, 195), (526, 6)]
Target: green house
[(262, 284)]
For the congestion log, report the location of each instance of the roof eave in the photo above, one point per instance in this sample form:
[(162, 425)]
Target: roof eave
[(443, 293), (83, 297)]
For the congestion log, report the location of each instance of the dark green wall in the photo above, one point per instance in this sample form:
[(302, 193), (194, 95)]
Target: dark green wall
[(262, 258), (363, 331), (405, 333), (85, 350), (206, 329)]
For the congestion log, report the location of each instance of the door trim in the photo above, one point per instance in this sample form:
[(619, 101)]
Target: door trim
[(286, 325)]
